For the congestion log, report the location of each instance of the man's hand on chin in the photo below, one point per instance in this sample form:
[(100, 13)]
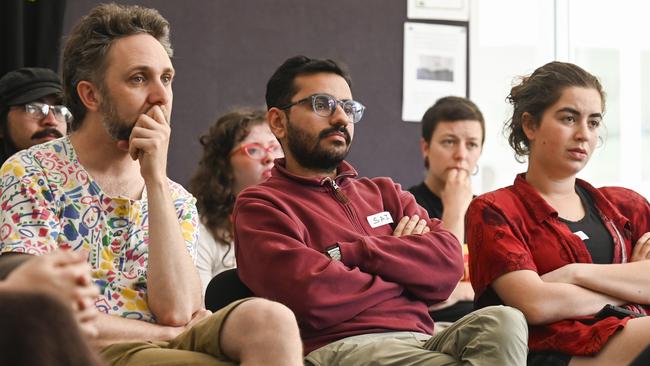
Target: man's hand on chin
[(149, 143)]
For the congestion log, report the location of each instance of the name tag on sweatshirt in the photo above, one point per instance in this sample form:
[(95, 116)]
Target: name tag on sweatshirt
[(377, 220)]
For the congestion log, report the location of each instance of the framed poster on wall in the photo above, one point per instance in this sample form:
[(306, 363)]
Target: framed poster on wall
[(435, 65), (438, 9)]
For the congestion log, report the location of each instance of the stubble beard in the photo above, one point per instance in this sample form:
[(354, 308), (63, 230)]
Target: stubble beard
[(117, 128)]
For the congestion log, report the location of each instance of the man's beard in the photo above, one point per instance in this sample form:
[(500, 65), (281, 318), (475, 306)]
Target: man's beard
[(308, 152), (116, 127)]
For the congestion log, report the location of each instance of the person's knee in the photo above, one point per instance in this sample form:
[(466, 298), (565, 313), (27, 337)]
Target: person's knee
[(261, 314), (507, 321)]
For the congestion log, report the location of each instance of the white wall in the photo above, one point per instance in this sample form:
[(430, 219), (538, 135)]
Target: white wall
[(510, 38)]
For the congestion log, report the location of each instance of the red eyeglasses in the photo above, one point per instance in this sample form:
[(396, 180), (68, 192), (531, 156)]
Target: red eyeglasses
[(258, 152)]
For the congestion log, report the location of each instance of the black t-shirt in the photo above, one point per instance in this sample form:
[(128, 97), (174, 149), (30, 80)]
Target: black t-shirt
[(425, 198), (592, 231)]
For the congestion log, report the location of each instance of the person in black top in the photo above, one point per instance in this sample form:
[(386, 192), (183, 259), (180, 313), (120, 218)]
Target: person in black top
[(453, 132)]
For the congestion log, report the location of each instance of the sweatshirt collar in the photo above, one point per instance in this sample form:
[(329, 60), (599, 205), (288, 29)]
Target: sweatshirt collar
[(343, 171)]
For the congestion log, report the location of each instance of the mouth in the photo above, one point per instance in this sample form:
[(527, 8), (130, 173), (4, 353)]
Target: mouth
[(266, 173), (578, 153), (337, 136)]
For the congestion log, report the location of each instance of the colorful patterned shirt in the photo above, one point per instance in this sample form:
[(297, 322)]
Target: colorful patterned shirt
[(50, 201), (514, 229)]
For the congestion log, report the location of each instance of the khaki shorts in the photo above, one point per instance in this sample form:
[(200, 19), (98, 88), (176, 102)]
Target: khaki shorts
[(199, 345)]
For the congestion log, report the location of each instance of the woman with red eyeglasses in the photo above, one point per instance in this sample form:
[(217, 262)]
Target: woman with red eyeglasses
[(238, 151)]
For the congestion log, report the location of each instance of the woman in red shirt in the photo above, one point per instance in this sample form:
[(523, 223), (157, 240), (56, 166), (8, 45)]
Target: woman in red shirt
[(552, 245)]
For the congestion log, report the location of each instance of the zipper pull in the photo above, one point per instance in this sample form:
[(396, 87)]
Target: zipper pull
[(338, 193)]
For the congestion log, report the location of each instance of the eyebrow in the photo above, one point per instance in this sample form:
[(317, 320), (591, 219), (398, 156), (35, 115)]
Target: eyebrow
[(576, 112), (146, 68), (456, 136)]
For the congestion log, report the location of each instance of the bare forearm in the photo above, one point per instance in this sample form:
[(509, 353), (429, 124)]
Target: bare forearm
[(627, 281), (454, 222), (558, 301), (174, 288), (115, 329), (544, 301)]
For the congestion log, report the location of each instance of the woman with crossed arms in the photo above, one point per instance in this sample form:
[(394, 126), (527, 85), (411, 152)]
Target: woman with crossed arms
[(554, 246)]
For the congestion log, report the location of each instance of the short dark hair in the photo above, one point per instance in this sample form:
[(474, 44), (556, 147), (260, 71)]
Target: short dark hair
[(281, 88), (451, 109), (85, 50), (538, 91)]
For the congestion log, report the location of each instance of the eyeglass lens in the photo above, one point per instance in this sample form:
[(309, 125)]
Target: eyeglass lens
[(259, 152), (325, 106), (40, 110)]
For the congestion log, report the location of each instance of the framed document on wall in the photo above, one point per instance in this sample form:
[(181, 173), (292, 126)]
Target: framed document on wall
[(435, 65), (438, 9)]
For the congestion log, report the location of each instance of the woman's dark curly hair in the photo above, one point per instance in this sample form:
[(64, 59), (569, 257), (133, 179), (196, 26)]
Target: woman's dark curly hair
[(538, 91), (213, 180)]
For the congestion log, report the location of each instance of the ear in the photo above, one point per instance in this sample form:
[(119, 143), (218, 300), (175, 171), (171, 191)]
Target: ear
[(89, 95), (277, 122), (528, 125), (424, 148)]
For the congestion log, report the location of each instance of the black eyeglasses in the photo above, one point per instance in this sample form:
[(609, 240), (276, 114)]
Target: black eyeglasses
[(325, 105)]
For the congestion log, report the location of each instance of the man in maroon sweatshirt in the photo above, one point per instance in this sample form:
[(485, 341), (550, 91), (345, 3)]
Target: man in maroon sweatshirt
[(356, 259)]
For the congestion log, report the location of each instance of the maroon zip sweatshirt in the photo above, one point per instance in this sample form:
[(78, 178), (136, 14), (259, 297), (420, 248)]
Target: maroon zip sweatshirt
[(382, 283)]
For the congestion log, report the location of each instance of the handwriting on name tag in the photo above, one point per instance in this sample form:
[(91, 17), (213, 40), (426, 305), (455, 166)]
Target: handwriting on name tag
[(379, 219)]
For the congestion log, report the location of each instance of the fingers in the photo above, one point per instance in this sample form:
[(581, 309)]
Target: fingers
[(87, 295), (399, 229), (419, 228), (65, 257), (159, 114), (87, 314), (89, 330), (86, 321), (149, 134), (411, 225), (641, 249), (458, 176), (77, 274), (463, 176)]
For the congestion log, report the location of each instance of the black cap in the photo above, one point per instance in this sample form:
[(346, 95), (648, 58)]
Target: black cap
[(27, 85)]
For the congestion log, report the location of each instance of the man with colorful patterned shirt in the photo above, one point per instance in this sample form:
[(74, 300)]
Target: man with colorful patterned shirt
[(104, 189)]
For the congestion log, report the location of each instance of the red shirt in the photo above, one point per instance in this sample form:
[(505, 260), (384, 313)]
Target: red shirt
[(514, 229)]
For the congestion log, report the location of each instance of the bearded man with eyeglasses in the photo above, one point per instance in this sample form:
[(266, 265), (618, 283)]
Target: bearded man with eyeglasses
[(356, 259), (31, 110)]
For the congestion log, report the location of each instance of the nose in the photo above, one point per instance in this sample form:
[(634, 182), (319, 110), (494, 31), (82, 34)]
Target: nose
[(49, 119), (339, 117), (267, 159), (159, 93), (582, 130), (460, 153)]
